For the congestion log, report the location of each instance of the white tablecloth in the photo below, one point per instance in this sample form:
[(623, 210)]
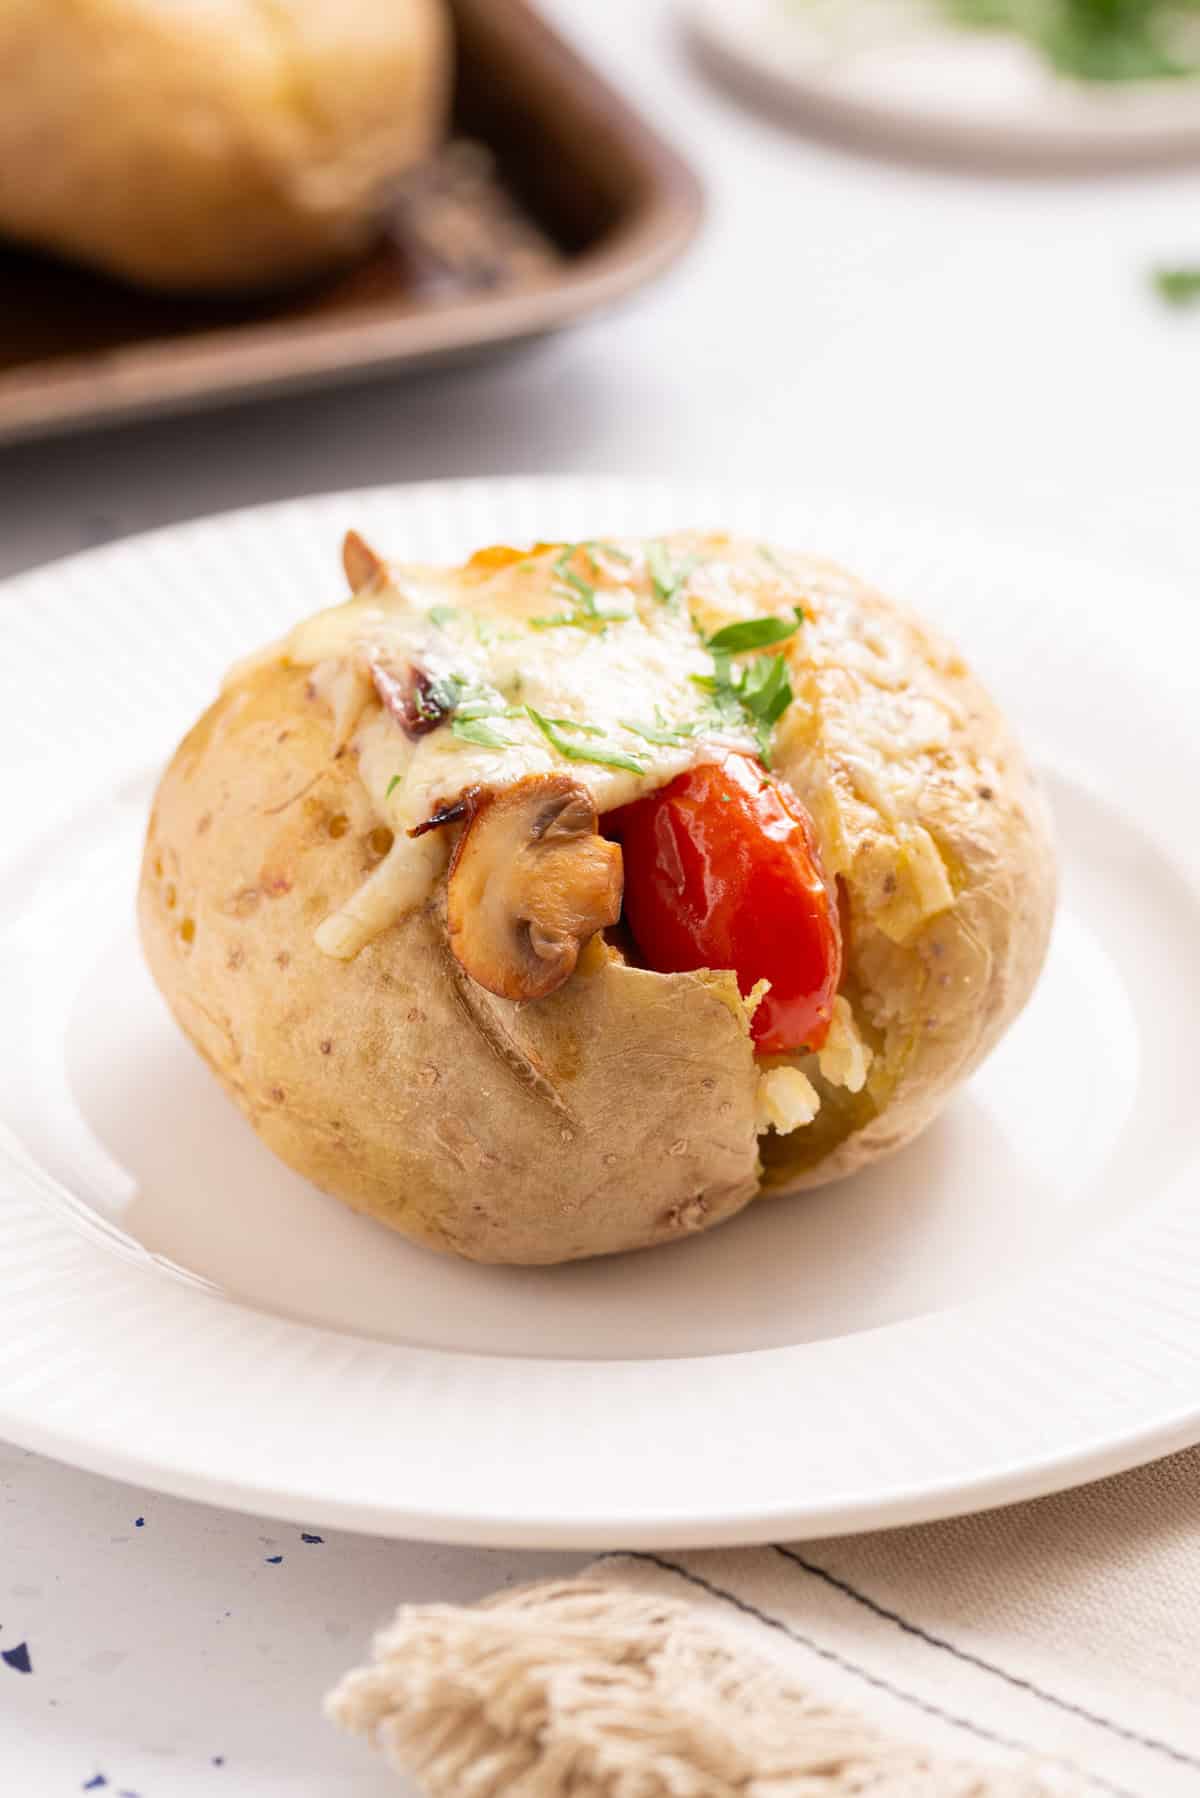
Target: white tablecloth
[(1051, 1648)]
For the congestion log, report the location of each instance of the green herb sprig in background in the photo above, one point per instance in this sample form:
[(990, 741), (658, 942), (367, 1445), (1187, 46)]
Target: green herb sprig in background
[(1095, 40), (1178, 286)]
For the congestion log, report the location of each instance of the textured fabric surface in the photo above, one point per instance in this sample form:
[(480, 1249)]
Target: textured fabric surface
[(1050, 1648)]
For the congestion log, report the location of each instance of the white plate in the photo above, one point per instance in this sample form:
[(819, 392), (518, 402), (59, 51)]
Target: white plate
[(893, 69), (1011, 1305)]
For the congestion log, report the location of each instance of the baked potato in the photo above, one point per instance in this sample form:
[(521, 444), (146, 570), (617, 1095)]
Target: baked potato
[(212, 144), (566, 902)]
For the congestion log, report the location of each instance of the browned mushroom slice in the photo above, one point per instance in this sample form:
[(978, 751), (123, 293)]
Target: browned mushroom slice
[(360, 561), (530, 882), (418, 701)]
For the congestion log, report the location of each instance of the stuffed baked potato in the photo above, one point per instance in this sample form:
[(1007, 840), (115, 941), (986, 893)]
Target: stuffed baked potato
[(213, 144), (563, 903)]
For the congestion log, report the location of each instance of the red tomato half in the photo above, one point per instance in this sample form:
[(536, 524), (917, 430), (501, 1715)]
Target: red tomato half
[(721, 871)]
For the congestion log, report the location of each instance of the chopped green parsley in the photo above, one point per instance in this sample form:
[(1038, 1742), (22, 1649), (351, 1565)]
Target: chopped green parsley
[(605, 755), (753, 633), (667, 579), (475, 730), (755, 693), (672, 735), (586, 611)]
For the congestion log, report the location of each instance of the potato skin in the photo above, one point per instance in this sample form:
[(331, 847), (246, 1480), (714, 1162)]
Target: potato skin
[(620, 1111), (226, 145), (900, 755), (617, 1113)]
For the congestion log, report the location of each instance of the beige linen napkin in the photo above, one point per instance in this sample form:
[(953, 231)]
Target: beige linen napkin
[(1050, 1648)]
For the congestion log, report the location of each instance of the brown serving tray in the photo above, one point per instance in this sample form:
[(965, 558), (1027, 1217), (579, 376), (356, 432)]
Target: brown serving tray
[(552, 200)]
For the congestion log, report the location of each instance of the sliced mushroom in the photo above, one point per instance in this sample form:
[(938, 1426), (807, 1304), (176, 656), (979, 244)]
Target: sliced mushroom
[(531, 881), (418, 700), (360, 561)]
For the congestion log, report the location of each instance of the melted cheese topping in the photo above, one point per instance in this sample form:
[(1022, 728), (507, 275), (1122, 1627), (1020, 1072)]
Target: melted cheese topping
[(606, 642), (845, 1059), (603, 642)]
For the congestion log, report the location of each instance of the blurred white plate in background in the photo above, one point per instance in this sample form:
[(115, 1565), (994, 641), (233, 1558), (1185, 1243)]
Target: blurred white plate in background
[(1009, 1306), (892, 71)]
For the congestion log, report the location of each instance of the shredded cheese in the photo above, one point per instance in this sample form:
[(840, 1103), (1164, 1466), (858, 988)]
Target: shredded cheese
[(785, 1100), (845, 1059)]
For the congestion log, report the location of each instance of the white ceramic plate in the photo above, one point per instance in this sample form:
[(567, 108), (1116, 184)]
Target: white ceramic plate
[(1009, 1306), (892, 69)]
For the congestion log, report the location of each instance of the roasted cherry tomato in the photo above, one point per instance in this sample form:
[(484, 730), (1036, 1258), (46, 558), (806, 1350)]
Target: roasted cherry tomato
[(722, 871)]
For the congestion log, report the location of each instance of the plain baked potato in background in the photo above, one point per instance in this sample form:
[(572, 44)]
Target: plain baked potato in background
[(624, 1109), (213, 144)]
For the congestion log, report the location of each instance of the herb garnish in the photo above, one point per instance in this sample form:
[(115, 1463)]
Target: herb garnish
[(756, 693), (483, 706), (486, 631), (604, 754), (392, 785), (665, 576), (474, 705), (766, 693), (584, 589), (555, 621), (753, 633), (672, 735), (1178, 286), (584, 730), (586, 612), (475, 730)]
